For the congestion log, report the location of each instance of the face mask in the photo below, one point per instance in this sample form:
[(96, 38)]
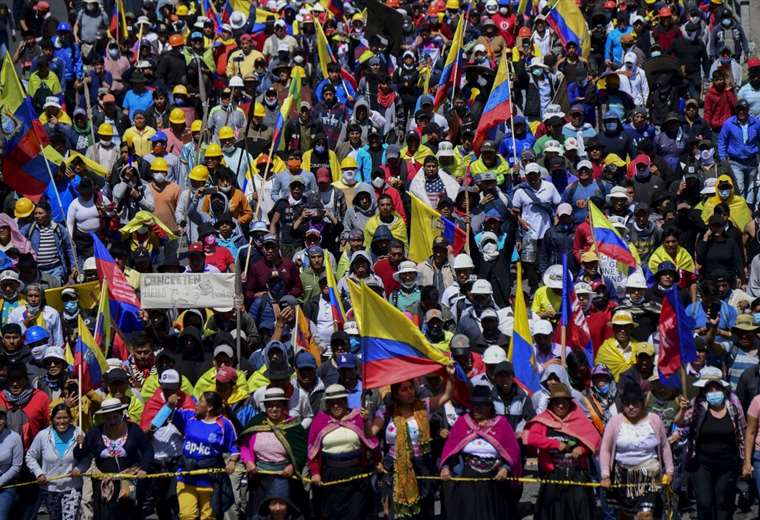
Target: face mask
[(113, 53), (707, 155), (643, 174), (756, 317), (490, 251), (33, 309), (691, 36), (726, 22), (209, 240), (319, 149), (656, 53), (294, 163), (409, 285), (106, 144), (225, 189), (604, 389), (637, 300), (724, 194), (725, 60), (378, 182), (70, 307), (178, 101), (39, 351), (228, 148), (715, 398), (10, 295), (159, 178), (611, 126), (537, 72)]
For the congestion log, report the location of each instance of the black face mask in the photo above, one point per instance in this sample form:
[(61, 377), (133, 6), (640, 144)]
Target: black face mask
[(599, 302), (435, 333)]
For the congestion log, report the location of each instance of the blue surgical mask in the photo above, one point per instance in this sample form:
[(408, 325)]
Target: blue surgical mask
[(70, 307), (611, 126), (715, 398), (707, 155), (604, 389), (756, 318), (319, 149), (724, 194), (537, 72)]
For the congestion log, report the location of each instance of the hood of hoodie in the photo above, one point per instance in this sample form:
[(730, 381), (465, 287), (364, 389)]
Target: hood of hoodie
[(274, 344), (363, 187), (194, 333), (556, 370), (382, 233)]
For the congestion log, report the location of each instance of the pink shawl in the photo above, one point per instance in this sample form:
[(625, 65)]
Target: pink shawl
[(575, 424), (324, 424), (18, 240), (497, 432)]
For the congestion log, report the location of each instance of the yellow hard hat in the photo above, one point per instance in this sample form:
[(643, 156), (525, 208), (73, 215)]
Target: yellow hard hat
[(24, 207), (182, 10), (613, 158), (452, 4), (349, 163), (226, 133), (259, 110), (214, 150), (179, 89), (196, 125), (105, 129), (198, 173), (159, 165), (357, 16), (177, 116)]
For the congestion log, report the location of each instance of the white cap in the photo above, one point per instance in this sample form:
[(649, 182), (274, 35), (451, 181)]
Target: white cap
[(235, 81), (482, 287), (488, 313), (351, 328), (224, 349), (54, 352), (583, 288), (532, 168), (542, 327), (571, 143), (537, 62), (553, 146), (51, 101), (553, 277), (618, 192), (9, 274), (709, 187), (143, 64), (585, 164), (90, 264), (479, 48), (169, 378), (564, 209), (463, 261), (280, 23), (636, 281), (143, 20), (407, 266), (494, 355), (630, 57), (445, 149)]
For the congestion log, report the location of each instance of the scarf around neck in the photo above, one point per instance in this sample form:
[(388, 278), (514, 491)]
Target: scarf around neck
[(406, 494)]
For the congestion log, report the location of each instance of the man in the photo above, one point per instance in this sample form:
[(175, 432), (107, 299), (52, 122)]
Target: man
[(618, 353), (329, 115), (509, 399), (312, 274), (343, 90), (242, 61), (308, 380), (431, 185), (641, 372), (273, 274), (197, 260), (288, 215), (387, 217), (437, 270), (750, 91), (226, 113), (739, 143), (139, 134), (279, 40), (159, 149), (104, 152)]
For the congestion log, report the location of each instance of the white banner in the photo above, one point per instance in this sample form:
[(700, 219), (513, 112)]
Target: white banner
[(187, 290)]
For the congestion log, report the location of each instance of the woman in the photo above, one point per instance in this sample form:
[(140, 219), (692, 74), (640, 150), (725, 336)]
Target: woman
[(86, 214), (717, 251), (275, 443), (11, 460), (51, 241), (635, 450), (118, 446), (405, 423), (52, 454), (35, 312), (751, 466), (208, 436), (566, 441), (480, 445), (11, 237), (715, 448), (131, 194), (339, 449)]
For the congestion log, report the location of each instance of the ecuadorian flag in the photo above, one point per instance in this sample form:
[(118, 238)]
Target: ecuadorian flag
[(568, 22), (336, 306), (521, 351), (608, 241), (449, 75), (499, 106), (89, 357), (393, 349), (427, 224)]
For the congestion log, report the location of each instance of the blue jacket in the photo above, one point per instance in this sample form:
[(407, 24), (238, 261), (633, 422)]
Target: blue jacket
[(72, 62), (731, 143), (364, 163), (343, 91), (613, 49), (63, 244)]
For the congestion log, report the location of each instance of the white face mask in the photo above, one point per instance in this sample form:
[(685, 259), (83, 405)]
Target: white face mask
[(490, 251), (378, 182), (228, 148), (38, 352), (409, 285), (159, 177)]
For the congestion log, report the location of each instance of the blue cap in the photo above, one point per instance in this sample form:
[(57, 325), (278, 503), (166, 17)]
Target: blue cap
[(314, 250), (260, 226), (304, 359), (158, 136), (196, 34), (346, 360), (63, 27)]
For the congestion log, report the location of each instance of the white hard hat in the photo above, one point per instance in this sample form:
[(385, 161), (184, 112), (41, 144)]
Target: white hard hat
[(463, 261), (542, 327), (89, 264), (494, 355), (236, 81), (636, 281), (583, 288), (482, 287)]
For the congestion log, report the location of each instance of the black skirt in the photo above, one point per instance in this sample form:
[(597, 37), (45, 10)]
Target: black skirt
[(559, 502), (487, 500), (352, 500), (424, 465)]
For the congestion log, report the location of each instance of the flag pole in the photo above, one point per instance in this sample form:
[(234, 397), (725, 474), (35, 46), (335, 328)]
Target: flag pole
[(684, 386), (88, 106), (512, 116), (563, 342), (467, 215)]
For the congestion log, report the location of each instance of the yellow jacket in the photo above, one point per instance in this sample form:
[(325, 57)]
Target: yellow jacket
[(207, 382), (612, 356), (335, 170), (546, 300), (397, 228), (140, 139)]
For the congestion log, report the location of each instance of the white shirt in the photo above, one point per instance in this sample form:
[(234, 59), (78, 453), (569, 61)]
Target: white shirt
[(636, 443), (52, 323), (538, 220)]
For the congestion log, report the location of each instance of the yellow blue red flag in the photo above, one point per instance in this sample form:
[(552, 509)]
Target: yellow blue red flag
[(568, 22), (521, 351)]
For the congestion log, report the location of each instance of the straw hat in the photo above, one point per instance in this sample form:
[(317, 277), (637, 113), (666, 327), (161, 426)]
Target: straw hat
[(111, 405)]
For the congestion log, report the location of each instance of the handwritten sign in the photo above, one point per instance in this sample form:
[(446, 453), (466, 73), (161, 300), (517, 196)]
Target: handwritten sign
[(186, 290)]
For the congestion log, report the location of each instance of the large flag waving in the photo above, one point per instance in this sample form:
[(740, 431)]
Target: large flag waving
[(336, 306), (499, 105), (451, 68), (103, 320), (577, 334), (393, 349), (303, 339), (521, 352), (88, 356), (24, 167), (608, 241), (427, 224), (677, 346), (122, 299), (568, 22), (325, 55)]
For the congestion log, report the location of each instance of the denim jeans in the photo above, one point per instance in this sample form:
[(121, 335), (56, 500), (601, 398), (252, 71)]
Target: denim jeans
[(58, 273), (7, 497), (745, 176)]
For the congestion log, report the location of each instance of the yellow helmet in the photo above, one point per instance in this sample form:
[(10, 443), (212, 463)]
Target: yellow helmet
[(349, 163), (226, 133), (196, 125), (452, 4), (24, 207), (198, 173), (105, 129), (159, 165), (182, 10), (214, 150), (177, 116), (179, 89), (259, 110), (357, 17)]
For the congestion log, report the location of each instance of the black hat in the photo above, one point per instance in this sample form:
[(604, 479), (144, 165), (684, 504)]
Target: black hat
[(205, 229), (632, 393), (481, 394), (117, 375), (504, 367), (278, 370)]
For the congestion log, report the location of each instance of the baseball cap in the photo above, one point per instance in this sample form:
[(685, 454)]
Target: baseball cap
[(305, 359), (346, 360), (433, 314), (195, 247), (169, 379), (117, 375), (226, 374), (564, 209), (224, 349)]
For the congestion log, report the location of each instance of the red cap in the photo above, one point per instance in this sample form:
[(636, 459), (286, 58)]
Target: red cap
[(609, 4), (246, 38), (323, 175), (665, 11), (597, 284), (195, 247), (42, 6), (108, 98), (226, 374), (753, 62)]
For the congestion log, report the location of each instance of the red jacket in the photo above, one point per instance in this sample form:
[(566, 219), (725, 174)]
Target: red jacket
[(37, 412), (157, 401), (398, 205), (719, 106)]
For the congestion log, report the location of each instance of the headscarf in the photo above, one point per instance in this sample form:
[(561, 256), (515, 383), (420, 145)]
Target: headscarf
[(739, 212), (18, 240)]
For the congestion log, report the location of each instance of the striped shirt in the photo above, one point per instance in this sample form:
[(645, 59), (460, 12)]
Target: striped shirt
[(47, 254), (738, 361)]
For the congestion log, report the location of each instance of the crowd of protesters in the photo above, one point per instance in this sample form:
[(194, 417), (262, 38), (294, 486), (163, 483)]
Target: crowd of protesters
[(178, 158)]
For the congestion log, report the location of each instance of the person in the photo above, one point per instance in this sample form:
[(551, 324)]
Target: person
[(715, 449), (51, 454), (275, 444), (480, 445), (567, 442), (339, 449), (739, 143), (116, 445), (635, 450), (11, 461)]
